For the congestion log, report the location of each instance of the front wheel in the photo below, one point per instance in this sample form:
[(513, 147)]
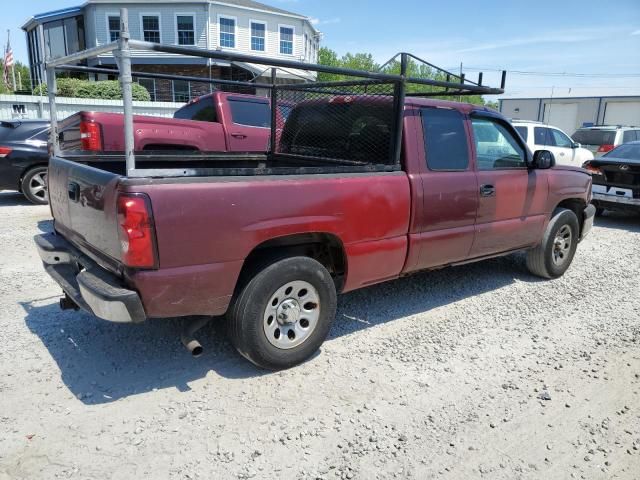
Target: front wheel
[(554, 255), (283, 314), (34, 185)]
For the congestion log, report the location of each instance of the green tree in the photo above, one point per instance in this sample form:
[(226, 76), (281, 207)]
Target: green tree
[(23, 78), (365, 61)]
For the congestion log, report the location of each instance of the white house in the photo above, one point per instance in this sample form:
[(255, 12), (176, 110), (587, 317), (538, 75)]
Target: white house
[(242, 26)]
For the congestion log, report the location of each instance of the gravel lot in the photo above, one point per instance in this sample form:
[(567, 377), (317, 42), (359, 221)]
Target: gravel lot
[(480, 371)]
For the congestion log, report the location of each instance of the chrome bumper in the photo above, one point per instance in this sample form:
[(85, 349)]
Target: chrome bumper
[(90, 286), (603, 197)]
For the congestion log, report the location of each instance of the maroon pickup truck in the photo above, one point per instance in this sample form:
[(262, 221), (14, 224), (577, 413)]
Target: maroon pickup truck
[(270, 246), (218, 122)]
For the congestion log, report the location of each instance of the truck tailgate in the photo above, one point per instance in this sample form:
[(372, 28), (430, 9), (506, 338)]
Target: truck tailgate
[(83, 204)]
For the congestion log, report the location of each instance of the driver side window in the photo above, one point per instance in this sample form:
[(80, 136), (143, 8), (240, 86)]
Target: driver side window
[(496, 147), (561, 140)]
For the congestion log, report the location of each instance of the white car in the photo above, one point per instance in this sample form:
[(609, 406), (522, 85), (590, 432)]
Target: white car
[(546, 137)]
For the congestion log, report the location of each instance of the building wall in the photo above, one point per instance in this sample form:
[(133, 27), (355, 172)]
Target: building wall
[(588, 109), (31, 106), (243, 31)]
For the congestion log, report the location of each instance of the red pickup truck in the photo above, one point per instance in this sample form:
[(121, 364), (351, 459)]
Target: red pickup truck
[(218, 122), (270, 248)]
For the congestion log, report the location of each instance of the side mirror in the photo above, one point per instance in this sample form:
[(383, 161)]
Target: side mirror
[(543, 160), (576, 145)]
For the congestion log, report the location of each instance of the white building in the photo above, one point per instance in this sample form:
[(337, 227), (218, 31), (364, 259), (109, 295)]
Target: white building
[(242, 26)]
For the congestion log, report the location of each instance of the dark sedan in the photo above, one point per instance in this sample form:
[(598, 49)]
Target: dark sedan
[(24, 158), (616, 179)]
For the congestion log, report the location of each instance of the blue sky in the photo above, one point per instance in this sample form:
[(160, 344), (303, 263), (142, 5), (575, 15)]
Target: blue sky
[(559, 36)]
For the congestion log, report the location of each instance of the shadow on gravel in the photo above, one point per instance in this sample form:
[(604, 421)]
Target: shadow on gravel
[(13, 199), (101, 362), (619, 220), (425, 291)]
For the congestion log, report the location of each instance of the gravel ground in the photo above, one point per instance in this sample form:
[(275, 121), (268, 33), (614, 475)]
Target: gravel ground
[(480, 371)]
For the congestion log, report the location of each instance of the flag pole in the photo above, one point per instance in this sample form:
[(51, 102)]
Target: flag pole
[(13, 64)]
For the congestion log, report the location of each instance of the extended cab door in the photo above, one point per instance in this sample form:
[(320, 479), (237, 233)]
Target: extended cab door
[(512, 197), (445, 228), (248, 123)]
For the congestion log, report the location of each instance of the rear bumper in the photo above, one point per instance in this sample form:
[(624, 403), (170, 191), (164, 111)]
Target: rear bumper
[(587, 223), (90, 286), (604, 199)]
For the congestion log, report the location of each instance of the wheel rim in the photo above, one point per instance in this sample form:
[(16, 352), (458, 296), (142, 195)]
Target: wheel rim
[(292, 314), (38, 186), (562, 245)]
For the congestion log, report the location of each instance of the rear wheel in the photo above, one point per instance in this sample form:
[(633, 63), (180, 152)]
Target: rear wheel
[(554, 255), (599, 211), (283, 314), (34, 186)]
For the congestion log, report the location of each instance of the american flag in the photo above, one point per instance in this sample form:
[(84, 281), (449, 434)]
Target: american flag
[(8, 63)]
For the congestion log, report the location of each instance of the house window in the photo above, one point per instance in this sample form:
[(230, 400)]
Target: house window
[(186, 29), (227, 32), (258, 33), (151, 28), (286, 40), (181, 91), (150, 85), (113, 22)]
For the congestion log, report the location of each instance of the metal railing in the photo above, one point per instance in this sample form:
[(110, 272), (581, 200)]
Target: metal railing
[(357, 84)]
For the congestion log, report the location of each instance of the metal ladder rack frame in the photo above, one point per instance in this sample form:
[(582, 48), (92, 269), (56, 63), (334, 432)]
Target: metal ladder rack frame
[(121, 50)]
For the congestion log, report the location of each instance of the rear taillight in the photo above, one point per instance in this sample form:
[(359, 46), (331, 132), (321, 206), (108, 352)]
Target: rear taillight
[(136, 231), (606, 148), (591, 169), (4, 151), (90, 136)]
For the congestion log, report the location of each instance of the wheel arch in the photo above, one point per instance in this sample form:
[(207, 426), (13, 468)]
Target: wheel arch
[(576, 205), (326, 248)]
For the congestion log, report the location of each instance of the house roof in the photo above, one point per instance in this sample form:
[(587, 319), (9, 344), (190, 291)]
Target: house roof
[(258, 6)]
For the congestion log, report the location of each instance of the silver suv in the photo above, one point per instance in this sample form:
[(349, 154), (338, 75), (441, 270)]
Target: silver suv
[(604, 138)]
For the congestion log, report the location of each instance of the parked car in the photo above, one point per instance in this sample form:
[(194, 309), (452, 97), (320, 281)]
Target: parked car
[(546, 137), (24, 157), (616, 179), (603, 139), (271, 245), (218, 122)]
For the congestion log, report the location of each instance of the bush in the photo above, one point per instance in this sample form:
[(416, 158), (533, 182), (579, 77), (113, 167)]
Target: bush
[(104, 89)]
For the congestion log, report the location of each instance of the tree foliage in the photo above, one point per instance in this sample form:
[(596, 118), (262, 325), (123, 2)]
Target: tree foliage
[(23, 77), (365, 61), (104, 89)]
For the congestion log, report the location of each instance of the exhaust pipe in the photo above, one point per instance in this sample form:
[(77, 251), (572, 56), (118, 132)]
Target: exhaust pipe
[(189, 328), (66, 303)]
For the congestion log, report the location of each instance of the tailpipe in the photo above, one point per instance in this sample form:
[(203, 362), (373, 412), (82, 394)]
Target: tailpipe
[(189, 328), (66, 303)]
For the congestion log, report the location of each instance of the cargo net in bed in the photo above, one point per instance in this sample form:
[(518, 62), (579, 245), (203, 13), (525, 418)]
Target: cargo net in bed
[(348, 123)]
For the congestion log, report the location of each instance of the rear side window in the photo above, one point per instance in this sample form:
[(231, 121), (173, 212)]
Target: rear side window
[(251, 113), (202, 110), (445, 139), (543, 136), (630, 136), (595, 137), (524, 132), (16, 131)]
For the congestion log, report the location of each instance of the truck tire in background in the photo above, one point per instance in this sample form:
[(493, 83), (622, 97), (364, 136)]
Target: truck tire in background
[(554, 255), (283, 314), (34, 185)]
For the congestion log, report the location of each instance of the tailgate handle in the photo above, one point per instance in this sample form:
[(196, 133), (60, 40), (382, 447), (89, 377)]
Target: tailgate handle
[(74, 191)]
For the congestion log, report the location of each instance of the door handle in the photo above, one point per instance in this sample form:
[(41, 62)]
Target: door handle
[(74, 191), (239, 135), (487, 191)]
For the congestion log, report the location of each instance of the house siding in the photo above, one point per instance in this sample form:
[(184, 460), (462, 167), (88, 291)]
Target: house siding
[(243, 31)]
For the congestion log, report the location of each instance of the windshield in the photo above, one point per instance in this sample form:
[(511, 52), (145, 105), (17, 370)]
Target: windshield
[(595, 137), (627, 151)]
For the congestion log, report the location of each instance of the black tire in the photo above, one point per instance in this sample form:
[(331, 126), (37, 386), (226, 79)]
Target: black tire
[(34, 186), (248, 315), (550, 260), (599, 211)]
